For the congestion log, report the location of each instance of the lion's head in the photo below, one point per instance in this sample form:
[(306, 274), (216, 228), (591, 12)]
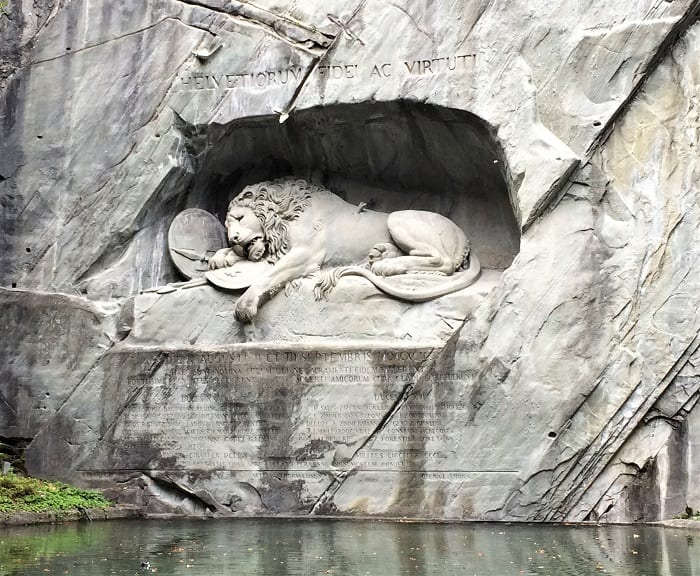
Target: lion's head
[(245, 233), (274, 204)]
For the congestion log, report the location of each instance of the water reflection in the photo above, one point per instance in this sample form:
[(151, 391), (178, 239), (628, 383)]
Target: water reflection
[(293, 548)]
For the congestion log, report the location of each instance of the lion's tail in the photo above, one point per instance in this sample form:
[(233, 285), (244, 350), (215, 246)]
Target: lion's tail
[(453, 283)]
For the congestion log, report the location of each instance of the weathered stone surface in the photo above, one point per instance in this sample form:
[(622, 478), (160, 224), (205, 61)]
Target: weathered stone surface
[(154, 71), (561, 138), (295, 317), (643, 232), (50, 343), (276, 422)]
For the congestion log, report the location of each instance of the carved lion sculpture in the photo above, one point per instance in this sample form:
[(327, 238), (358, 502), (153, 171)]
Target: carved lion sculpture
[(303, 228)]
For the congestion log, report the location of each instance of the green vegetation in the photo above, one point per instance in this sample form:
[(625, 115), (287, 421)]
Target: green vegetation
[(689, 514), (20, 493)]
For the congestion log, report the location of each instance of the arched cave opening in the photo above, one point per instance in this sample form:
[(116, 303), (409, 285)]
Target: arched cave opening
[(389, 155)]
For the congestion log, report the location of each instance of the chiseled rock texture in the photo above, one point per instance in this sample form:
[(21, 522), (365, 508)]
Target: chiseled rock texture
[(561, 136)]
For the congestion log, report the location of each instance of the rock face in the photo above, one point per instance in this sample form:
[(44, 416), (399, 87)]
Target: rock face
[(562, 139)]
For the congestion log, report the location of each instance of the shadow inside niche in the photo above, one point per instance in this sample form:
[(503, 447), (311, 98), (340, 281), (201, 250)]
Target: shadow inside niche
[(390, 155)]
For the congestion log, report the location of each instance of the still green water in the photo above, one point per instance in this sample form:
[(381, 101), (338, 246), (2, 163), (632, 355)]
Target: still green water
[(286, 548)]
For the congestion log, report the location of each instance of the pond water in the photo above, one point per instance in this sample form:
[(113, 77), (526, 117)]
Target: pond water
[(343, 548)]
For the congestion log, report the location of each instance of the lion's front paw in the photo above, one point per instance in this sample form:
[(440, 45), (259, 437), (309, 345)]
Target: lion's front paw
[(247, 306), (223, 258), (218, 260)]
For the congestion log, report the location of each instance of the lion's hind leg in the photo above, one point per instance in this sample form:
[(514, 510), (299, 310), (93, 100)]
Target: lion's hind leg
[(418, 260), (432, 243), (383, 251)]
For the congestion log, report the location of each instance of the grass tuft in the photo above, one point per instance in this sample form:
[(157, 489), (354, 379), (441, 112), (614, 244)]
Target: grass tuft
[(20, 493)]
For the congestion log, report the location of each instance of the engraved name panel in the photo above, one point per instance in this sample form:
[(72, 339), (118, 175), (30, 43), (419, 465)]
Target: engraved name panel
[(278, 409)]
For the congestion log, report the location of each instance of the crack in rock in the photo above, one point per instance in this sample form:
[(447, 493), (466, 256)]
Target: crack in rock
[(118, 38), (681, 26), (300, 35), (324, 504), (569, 492)]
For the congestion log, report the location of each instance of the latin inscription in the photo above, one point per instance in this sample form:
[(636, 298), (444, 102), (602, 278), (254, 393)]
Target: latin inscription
[(426, 68), (285, 410)]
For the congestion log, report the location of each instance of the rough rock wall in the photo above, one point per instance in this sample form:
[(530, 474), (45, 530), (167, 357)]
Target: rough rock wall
[(582, 350)]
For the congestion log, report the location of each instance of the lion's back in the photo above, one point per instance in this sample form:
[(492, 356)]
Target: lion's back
[(350, 231)]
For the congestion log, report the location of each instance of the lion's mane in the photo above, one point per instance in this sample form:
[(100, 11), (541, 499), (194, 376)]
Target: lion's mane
[(276, 203)]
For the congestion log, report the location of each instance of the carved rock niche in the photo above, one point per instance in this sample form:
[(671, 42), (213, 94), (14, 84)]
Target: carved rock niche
[(386, 156)]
